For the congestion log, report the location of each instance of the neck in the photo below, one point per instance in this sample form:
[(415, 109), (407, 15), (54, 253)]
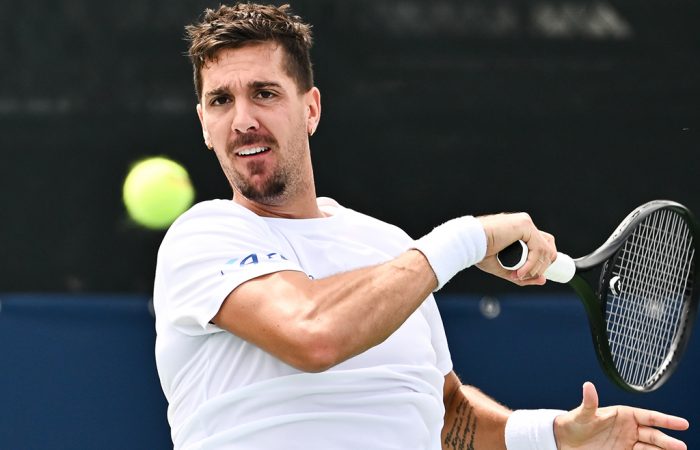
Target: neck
[(305, 210), (301, 205)]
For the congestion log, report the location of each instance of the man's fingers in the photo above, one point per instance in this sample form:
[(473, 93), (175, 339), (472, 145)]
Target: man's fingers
[(643, 446), (548, 237), (534, 267), (657, 439), (542, 253), (656, 419), (540, 280)]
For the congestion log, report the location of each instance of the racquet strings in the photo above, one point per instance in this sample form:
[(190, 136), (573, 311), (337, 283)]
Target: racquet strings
[(646, 308)]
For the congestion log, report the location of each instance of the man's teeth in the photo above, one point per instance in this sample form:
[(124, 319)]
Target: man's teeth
[(252, 151)]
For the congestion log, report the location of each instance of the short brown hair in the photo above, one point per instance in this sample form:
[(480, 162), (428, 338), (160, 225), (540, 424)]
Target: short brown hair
[(246, 23)]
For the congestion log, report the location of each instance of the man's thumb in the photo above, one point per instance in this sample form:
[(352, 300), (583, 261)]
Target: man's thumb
[(589, 405)]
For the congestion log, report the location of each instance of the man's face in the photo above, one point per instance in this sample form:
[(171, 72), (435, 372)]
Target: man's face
[(258, 123)]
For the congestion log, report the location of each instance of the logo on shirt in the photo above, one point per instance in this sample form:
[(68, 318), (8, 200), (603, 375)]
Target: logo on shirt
[(252, 259)]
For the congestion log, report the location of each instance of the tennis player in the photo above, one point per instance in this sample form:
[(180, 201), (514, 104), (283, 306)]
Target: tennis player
[(287, 321)]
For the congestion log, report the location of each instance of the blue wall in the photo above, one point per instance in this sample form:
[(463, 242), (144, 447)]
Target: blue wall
[(78, 371)]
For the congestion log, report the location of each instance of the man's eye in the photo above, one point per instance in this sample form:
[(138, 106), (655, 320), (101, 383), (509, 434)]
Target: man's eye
[(221, 100), (266, 95)]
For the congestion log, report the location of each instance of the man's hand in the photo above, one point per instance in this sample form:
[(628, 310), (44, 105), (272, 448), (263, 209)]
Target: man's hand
[(504, 229), (615, 428)]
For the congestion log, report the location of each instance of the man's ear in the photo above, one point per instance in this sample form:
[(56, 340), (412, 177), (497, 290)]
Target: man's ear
[(205, 132), (313, 104)]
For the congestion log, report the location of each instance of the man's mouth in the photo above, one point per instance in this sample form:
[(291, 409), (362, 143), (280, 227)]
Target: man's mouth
[(252, 151)]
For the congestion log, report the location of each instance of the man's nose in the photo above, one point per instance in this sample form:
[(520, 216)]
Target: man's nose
[(244, 120)]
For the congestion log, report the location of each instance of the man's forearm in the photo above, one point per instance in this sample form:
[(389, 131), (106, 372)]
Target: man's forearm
[(366, 306), (474, 421)]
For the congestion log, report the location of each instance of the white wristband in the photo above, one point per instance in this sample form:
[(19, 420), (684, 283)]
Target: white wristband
[(453, 246), (531, 429)]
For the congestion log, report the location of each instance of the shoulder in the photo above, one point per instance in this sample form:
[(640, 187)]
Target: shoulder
[(371, 223), (376, 231), (215, 209), (212, 214), (213, 222)]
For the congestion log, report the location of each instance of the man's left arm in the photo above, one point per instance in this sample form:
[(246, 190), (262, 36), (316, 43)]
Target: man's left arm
[(473, 420)]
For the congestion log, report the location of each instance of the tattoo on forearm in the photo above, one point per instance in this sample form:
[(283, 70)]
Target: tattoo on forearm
[(461, 435)]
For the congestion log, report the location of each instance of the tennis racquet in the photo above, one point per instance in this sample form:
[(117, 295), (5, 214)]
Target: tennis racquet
[(639, 290)]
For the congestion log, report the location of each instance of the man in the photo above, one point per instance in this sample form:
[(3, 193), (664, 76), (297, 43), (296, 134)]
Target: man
[(288, 321)]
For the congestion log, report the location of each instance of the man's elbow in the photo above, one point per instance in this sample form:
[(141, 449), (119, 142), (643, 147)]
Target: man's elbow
[(315, 351)]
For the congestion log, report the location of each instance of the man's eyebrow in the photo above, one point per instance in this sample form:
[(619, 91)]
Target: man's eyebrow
[(253, 85), (221, 90), (264, 84)]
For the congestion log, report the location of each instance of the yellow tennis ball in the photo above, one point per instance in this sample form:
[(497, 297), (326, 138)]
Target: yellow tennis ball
[(156, 191)]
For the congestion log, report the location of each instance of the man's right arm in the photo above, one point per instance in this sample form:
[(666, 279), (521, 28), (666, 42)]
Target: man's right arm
[(316, 324)]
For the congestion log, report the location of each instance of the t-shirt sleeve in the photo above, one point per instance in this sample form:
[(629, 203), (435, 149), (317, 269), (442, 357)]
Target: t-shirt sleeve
[(203, 259), (438, 337)]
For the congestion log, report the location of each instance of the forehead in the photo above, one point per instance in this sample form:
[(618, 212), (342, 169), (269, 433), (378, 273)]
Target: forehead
[(252, 62)]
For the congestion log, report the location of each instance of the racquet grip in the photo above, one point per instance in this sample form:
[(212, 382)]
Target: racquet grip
[(513, 257)]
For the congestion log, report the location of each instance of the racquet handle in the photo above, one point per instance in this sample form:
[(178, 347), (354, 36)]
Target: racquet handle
[(513, 257)]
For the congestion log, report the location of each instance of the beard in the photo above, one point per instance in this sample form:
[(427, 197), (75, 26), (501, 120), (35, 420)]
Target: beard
[(270, 192), (278, 185)]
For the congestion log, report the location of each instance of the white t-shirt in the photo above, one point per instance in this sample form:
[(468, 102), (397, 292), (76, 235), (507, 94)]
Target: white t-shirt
[(226, 393)]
